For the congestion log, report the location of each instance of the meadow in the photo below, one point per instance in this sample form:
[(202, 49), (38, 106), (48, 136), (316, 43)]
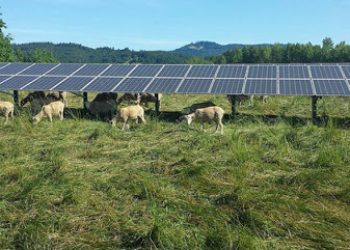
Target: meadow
[(274, 180)]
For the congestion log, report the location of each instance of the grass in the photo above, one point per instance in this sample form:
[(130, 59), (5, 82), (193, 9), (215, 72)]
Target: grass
[(277, 183)]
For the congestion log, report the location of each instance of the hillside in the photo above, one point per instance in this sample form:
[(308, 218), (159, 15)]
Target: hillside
[(70, 52), (206, 49), (277, 183)]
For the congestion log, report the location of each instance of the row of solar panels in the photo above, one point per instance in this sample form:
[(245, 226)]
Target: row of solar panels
[(321, 80)]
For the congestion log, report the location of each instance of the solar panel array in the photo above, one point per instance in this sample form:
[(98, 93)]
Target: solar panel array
[(235, 79)]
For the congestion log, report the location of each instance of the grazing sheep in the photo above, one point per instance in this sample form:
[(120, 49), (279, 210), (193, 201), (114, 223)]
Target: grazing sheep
[(38, 99), (103, 104), (239, 98), (147, 97), (194, 107), (209, 114), (50, 110), (264, 98), (135, 112), (7, 109), (38, 95), (56, 96), (128, 97)]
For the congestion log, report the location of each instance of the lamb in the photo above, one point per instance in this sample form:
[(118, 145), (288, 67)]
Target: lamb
[(39, 98), (209, 114), (135, 112), (104, 103), (7, 109), (52, 109)]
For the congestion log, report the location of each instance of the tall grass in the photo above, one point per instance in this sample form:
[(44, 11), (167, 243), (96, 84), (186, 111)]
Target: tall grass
[(266, 184)]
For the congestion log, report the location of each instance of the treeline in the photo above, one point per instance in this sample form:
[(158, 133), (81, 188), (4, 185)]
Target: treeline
[(70, 52), (290, 53)]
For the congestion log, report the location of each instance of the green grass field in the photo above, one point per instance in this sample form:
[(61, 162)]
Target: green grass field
[(280, 183)]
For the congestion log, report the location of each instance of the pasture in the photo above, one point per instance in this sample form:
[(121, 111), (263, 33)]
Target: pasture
[(272, 181)]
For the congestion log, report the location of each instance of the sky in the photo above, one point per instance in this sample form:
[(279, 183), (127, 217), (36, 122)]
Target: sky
[(167, 25)]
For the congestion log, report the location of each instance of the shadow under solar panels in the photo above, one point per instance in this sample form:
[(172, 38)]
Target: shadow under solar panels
[(104, 84), (17, 82), (195, 86), (331, 88), (261, 87), (227, 86), (296, 87), (163, 85)]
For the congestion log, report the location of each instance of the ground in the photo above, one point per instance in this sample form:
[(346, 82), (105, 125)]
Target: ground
[(272, 181)]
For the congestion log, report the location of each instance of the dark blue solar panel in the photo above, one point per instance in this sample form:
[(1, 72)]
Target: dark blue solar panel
[(14, 68), (44, 83), (163, 85), (192, 86), (3, 78), (146, 70), (202, 71), (261, 87), (294, 71), (174, 71), (3, 65), (73, 84), (227, 86), (65, 69), (103, 84), (120, 70), (133, 85), (17, 82), (326, 72), (346, 69), (38, 69), (295, 87), (262, 71), (232, 71), (331, 87), (91, 70)]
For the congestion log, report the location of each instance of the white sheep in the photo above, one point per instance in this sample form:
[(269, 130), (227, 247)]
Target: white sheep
[(209, 114), (7, 109), (135, 113), (50, 110)]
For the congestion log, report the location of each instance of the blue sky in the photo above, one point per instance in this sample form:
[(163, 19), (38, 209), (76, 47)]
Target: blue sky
[(166, 25)]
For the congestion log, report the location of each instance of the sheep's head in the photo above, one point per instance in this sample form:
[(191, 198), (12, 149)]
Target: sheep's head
[(187, 118), (114, 120), (36, 119)]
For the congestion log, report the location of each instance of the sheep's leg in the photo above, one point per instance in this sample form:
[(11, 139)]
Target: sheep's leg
[(221, 127), (127, 126), (124, 124), (6, 118), (61, 116), (143, 119), (50, 117)]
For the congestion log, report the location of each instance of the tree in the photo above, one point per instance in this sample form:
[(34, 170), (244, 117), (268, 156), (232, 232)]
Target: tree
[(6, 51)]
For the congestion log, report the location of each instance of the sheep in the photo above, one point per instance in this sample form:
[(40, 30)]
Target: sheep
[(129, 98), (239, 98), (135, 112), (103, 103), (38, 99), (7, 109), (264, 99), (52, 109), (209, 114), (147, 97)]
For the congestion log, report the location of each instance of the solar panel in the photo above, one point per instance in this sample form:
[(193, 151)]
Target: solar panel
[(146, 70), (227, 86), (65, 69), (326, 72), (163, 85), (17, 82), (346, 69), (294, 71), (3, 65), (261, 87), (119, 70), (193, 86), (296, 87), (4, 78), (91, 70), (262, 71), (38, 69), (103, 84), (44, 83), (73, 84), (133, 85), (232, 71), (174, 71), (14, 68), (331, 87), (202, 71)]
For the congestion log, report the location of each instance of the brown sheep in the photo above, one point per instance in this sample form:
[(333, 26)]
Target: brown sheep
[(209, 114), (135, 113), (103, 103), (7, 109), (194, 107), (50, 110), (145, 98), (128, 97)]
